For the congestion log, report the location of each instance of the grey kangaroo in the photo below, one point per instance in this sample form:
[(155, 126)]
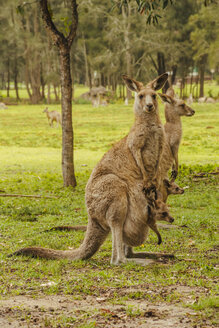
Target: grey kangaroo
[(170, 188), (53, 116), (158, 212), (114, 198), (174, 109)]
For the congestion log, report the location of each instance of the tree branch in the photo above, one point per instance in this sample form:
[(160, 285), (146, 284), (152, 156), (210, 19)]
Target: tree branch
[(57, 36), (153, 62), (74, 23)]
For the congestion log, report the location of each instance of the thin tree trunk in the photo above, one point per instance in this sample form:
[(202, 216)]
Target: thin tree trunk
[(202, 75), (56, 93), (64, 44), (8, 82), (67, 128), (128, 57), (48, 93), (173, 76), (162, 68), (87, 79), (191, 82), (15, 79)]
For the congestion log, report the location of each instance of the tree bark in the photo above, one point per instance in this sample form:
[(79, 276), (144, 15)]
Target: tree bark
[(161, 68), (56, 93), (8, 82), (87, 74), (42, 81), (15, 78), (64, 44), (173, 76), (67, 129), (202, 74), (128, 56)]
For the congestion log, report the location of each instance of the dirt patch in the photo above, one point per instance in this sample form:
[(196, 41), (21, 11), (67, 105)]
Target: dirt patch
[(66, 311)]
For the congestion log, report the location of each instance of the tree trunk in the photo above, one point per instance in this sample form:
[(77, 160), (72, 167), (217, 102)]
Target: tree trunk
[(15, 79), (42, 81), (64, 45), (162, 68), (67, 128), (8, 84), (56, 93), (128, 57), (48, 93), (87, 78), (202, 74), (173, 76)]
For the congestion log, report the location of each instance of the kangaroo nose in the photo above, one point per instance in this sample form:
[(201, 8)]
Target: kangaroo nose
[(150, 106)]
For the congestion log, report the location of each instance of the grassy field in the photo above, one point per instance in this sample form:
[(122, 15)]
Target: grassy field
[(41, 293)]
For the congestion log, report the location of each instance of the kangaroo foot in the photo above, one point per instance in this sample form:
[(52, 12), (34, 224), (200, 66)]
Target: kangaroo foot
[(118, 261)]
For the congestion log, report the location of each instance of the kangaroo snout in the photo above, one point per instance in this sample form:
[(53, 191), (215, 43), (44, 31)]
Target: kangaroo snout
[(149, 107), (191, 112)]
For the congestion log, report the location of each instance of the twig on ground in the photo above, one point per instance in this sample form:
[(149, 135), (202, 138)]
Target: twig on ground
[(29, 196)]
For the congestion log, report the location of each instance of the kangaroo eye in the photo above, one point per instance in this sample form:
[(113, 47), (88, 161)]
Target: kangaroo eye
[(164, 214), (141, 96), (154, 96), (177, 189), (183, 105)]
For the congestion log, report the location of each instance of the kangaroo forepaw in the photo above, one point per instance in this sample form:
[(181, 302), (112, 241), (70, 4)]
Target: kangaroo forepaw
[(174, 174), (151, 192)]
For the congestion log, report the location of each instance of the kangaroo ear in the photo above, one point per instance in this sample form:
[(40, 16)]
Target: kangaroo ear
[(159, 82), (170, 92), (132, 84), (167, 99)]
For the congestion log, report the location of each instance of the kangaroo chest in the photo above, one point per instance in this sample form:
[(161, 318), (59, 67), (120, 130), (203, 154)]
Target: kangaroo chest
[(153, 144)]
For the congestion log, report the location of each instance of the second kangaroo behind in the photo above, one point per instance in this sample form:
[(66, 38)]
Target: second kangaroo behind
[(174, 109), (53, 116)]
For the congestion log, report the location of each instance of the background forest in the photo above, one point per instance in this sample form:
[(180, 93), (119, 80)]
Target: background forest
[(110, 41)]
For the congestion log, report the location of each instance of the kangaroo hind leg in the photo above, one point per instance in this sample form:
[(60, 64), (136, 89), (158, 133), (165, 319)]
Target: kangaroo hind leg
[(116, 216)]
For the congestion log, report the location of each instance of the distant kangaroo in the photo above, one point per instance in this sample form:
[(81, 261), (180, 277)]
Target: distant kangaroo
[(114, 198), (53, 116), (174, 109)]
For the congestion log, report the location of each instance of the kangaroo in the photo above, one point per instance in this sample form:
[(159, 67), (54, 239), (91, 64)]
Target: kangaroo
[(53, 116), (158, 212), (114, 198), (174, 109), (146, 138), (170, 188)]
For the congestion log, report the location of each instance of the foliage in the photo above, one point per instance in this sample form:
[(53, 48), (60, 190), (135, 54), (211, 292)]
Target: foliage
[(109, 42)]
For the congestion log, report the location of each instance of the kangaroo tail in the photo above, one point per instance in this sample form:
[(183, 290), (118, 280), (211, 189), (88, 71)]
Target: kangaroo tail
[(94, 238)]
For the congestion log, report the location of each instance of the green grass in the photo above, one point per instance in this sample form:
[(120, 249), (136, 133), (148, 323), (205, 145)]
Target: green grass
[(30, 153)]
